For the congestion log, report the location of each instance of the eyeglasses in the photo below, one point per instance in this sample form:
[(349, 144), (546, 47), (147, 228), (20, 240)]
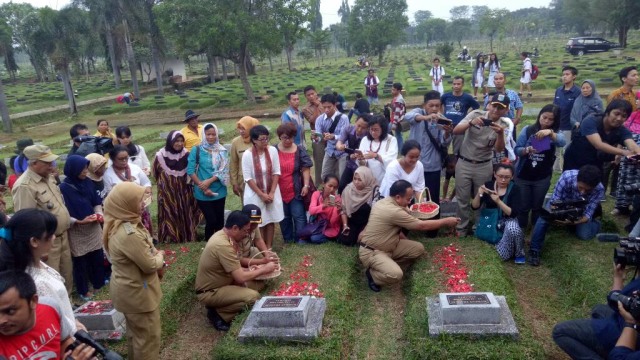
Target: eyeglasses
[(504, 177), (264, 140), (284, 138)]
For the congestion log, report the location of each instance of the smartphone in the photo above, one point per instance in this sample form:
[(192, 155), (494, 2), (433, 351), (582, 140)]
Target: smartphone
[(349, 150), (444, 122), (332, 200), (486, 122), (635, 157)]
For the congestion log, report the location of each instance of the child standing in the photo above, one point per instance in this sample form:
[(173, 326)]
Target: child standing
[(436, 73)]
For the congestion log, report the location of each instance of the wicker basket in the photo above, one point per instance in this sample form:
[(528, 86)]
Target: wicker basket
[(424, 215), (274, 274)]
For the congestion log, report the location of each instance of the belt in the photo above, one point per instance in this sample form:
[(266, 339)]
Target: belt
[(198, 292), (473, 161), (366, 246)]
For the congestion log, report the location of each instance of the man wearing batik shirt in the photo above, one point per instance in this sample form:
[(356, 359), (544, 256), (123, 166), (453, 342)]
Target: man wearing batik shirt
[(397, 109)]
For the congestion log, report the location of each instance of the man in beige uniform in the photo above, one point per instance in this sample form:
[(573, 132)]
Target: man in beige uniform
[(36, 188), (384, 250), (253, 248), (222, 285)]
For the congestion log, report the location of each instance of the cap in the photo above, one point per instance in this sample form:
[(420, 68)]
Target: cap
[(39, 152), (254, 213), (501, 100), (23, 143)]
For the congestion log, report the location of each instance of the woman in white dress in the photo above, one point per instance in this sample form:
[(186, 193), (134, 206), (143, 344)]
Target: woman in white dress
[(494, 68), (378, 148), (478, 76), (408, 167), (261, 172), (137, 155)]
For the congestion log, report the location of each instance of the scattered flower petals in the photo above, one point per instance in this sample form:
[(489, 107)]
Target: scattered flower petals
[(96, 307), (452, 266), (298, 284)]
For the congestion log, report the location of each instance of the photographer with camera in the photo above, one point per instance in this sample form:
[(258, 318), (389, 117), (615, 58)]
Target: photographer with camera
[(575, 189), (595, 338), (626, 344)]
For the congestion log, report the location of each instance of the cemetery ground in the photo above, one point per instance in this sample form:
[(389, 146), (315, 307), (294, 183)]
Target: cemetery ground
[(574, 275)]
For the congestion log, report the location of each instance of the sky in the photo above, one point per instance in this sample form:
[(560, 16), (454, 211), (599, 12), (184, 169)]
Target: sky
[(329, 8)]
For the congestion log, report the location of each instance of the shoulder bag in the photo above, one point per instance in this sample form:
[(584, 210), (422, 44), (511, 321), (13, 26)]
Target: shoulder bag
[(491, 223)]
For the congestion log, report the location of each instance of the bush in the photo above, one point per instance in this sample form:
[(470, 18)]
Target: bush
[(445, 51)]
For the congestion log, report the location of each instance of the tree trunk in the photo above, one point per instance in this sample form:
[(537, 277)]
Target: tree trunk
[(491, 43), (68, 89), (289, 50), (39, 76), (380, 55), (156, 64), (251, 99), (4, 110), (112, 54), (211, 60), (131, 57), (225, 76), (622, 35), (270, 64)]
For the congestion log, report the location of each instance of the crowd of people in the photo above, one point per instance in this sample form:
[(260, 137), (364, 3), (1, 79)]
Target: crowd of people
[(93, 225)]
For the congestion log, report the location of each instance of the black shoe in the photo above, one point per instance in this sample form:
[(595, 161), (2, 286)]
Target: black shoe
[(372, 285), (534, 258), (216, 320)]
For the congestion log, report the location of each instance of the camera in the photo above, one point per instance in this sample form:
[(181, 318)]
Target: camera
[(82, 337), (632, 189), (630, 303), (563, 210), (93, 144), (628, 253)]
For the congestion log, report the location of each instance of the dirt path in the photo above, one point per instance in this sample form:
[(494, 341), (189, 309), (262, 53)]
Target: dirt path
[(194, 339)]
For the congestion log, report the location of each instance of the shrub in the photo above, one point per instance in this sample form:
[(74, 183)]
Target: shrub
[(445, 51)]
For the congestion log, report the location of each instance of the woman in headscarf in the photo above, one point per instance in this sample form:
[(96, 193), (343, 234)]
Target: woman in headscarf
[(357, 200), (261, 172), (238, 146), (178, 212), (209, 171), (137, 268), (85, 234), (97, 167), (589, 102)]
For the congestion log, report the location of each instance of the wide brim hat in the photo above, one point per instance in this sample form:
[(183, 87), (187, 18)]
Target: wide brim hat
[(190, 114)]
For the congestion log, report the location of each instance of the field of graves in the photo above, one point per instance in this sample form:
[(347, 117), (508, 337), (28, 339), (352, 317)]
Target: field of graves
[(574, 276)]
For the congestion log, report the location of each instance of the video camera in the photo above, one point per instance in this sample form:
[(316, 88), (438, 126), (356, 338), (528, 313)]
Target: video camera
[(82, 337), (629, 251), (93, 144), (563, 210), (630, 303)]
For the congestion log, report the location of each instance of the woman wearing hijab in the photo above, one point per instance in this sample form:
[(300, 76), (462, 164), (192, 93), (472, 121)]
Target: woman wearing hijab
[(261, 172), (589, 102), (85, 234), (137, 268), (209, 171), (357, 200), (178, 212), (238, 146), (97, 168)]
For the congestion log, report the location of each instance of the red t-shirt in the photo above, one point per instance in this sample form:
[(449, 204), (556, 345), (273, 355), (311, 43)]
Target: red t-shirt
[(12, 180), (42, 341), (287, 164)]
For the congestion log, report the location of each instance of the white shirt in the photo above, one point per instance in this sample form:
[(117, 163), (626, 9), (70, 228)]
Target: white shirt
[(111, 179), (388, 151), (395, 172)]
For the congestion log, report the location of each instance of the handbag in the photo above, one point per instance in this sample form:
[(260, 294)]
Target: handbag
[(315, 226), (490, 225), (442, 150)]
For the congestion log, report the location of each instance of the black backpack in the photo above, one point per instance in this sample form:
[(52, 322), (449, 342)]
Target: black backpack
[(93, 144)]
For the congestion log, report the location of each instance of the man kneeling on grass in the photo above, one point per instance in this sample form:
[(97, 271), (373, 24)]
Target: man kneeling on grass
[(223, 286), (384, 249)]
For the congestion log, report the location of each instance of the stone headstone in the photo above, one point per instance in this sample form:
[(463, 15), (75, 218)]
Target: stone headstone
[(284, 318), (101, 319), (478, 314)]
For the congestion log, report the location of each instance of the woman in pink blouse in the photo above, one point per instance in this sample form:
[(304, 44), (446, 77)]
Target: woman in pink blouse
[(327, 205)]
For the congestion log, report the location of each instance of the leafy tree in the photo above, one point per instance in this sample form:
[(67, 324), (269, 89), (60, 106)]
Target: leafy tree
[(316, 16), (621, 15), (432, 30), (459, 29), (375, 24), (421, 16), (290, 17), (460, 12), (445, 51), (23, 19), (6, 49), (492, 22), (6, 40), (320, 41)]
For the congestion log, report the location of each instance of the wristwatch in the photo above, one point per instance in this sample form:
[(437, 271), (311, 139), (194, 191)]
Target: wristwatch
[(633, 326)]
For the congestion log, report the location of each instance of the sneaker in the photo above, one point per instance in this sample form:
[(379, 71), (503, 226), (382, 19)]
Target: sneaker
[(86, 298), (534, 258), (520, 260), (520, 94)]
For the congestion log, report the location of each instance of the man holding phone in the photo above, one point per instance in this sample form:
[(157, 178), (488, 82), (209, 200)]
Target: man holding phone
[(483, 134), (328, 126)]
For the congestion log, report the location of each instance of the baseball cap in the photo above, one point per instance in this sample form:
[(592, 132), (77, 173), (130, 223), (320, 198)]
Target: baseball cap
[(501, 100), (254, 213), (39, 152)]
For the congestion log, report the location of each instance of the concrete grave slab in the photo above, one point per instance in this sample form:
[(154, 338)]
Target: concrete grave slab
[(102, 320)]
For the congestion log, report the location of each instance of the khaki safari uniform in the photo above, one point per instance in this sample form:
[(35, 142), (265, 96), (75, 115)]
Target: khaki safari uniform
[(191, 138), (238, 147), (474, 166), (33, 191), (215, 287), (135, 288), (381, 249)]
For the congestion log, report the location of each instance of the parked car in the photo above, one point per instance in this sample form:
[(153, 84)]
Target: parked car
[(582, 45)]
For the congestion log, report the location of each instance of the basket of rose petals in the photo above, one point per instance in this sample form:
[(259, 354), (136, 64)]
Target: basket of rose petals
[(274, 274), (426, 209)]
